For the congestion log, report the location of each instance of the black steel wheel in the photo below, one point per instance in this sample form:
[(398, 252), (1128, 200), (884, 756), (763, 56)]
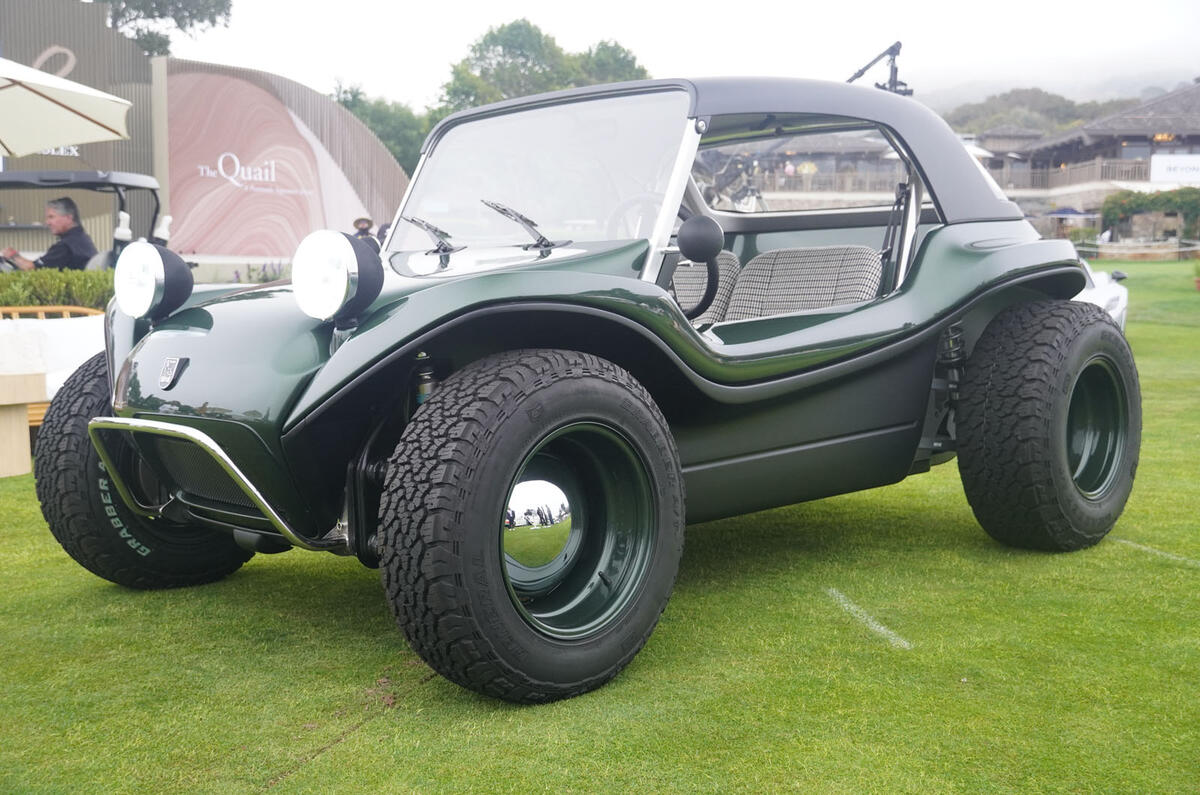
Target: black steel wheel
[(1049, 425), (532, 524), (87, 516)]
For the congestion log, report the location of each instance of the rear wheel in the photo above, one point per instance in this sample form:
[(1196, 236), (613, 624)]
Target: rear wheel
[(87, 516), (1049, 425), (532, 524)]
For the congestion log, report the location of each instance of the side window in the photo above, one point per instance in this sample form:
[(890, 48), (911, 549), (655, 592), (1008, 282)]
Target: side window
[(820, 211), (822, 168)]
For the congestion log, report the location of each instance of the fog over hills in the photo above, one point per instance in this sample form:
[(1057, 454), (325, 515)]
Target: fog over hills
[(1080, 88)]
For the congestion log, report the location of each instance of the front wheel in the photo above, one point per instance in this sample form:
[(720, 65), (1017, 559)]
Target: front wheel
[(88, 517), (532, 524), (1049, 425)]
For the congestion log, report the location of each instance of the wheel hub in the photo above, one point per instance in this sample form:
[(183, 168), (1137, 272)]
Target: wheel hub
[(1097, 417), (577, 532)]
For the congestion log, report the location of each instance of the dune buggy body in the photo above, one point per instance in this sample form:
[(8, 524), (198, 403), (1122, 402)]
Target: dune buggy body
[(869, 309)]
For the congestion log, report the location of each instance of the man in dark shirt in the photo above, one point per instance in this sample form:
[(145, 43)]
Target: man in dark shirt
[(73, 249)]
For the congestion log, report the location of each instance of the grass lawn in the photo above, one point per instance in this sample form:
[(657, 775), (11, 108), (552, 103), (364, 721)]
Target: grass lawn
[(1023, 671)]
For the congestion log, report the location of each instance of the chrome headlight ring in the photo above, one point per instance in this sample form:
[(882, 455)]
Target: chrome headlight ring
[(334, 276), (151, 281)]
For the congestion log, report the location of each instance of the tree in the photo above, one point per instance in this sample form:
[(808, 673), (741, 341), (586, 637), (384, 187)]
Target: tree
[(394, 123), (609, 62), (142, 20), (512, 60), (1033, 108), (518, 59), (349, 97)]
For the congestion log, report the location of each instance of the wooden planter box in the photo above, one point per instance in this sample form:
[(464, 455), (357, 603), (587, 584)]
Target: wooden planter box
[(17, 391)]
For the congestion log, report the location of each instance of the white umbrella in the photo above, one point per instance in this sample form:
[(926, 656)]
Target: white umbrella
[(40, 111)]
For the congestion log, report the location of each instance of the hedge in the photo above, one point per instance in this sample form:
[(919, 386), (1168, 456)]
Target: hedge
[(48, 287), (1185, 201)]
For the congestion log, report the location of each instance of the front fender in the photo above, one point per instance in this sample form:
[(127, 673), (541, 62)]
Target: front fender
[(122, 332)]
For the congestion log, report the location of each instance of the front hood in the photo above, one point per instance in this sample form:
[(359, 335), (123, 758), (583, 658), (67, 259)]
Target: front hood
[(242, 357), (247, 356)]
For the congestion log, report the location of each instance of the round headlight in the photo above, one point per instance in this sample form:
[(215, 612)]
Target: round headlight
[(335, 276), (150, 281)]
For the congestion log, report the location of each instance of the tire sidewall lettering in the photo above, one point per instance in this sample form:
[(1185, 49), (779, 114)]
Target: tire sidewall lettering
[(116, 521)]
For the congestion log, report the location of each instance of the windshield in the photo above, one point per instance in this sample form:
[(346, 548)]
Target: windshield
[(581, 171)]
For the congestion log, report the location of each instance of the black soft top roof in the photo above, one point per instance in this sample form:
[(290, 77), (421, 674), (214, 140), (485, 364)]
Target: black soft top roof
[(954, 179), (89, 180)]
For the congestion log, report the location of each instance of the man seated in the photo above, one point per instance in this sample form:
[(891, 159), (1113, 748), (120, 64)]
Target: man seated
[(73, 249)]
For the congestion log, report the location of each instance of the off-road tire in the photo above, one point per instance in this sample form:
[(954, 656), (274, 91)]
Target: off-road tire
[(443, 561), (87, 516), (1049, 425)]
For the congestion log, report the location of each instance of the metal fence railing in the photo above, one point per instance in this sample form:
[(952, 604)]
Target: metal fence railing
[(847, 182), (1098, 170), (1136, 249)]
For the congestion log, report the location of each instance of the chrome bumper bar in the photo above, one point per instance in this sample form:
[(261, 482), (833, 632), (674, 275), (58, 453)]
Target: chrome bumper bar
[(205, 443)]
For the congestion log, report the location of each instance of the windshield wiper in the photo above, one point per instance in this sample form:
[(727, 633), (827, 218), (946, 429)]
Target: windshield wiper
[(540, 241), (440, 237)]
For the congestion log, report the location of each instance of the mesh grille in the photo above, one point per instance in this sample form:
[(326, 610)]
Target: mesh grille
[(195, 471)]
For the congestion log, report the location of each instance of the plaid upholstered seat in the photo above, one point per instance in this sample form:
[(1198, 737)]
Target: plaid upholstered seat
[(690, 281), (791, 279)]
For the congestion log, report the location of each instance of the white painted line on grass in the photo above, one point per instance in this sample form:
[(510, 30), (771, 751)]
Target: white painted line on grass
[(1159, 552), (872, 624)]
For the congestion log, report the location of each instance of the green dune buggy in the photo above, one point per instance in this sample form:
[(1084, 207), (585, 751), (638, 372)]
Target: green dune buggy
[(599, 315)]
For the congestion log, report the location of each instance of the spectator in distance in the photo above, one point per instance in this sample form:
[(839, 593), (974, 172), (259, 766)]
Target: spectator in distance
[(73, 249)]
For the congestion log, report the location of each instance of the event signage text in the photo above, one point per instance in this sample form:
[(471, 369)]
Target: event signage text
[(1175, 168)]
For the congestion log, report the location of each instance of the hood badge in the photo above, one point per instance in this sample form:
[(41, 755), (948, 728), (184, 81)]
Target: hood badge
[(172, 368)]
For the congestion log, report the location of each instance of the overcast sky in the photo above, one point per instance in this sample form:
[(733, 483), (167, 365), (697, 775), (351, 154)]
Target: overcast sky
[(403, 51)]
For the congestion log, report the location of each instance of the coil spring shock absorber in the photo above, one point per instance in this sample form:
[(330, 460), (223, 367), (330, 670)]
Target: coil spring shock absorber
[(951, 357), (425, 384)]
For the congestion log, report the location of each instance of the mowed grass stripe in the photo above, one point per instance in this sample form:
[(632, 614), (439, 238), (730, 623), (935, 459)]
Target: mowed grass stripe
[(1159, 552), (865, 618)]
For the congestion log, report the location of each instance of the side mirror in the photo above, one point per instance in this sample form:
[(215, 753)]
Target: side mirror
[(1119, 276), (700, 238)]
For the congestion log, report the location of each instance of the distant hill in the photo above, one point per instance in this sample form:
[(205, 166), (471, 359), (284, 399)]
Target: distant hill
[(1031, 108), (944, 97)]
